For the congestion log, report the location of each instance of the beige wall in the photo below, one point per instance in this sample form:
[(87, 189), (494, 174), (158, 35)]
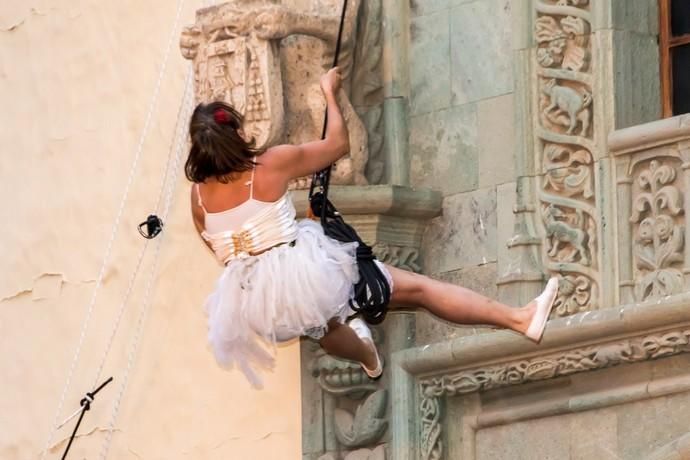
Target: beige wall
[(77, 77)]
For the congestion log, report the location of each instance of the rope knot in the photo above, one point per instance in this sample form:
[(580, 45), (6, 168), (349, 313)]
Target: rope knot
[(86, 401)]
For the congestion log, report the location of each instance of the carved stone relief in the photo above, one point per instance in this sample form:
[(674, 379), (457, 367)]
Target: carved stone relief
[(378, 453), (366, 426), (564, 138), (261, 56), (357, 412), (404, 257), (659, 230)]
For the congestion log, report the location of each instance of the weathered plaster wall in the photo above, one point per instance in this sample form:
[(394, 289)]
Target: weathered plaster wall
[(462, 140), (77, 77)]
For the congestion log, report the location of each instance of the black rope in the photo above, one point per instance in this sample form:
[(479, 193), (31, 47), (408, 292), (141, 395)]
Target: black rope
[(372, 291), (85, 405)]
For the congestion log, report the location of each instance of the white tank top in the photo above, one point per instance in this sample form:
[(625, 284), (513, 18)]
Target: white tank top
[(250, 228)]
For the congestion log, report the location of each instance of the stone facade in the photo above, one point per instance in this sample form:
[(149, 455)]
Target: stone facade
[(536, 122), (508, 143)]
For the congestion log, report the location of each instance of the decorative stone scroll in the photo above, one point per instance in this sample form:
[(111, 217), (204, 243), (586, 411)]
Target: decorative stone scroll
[(404, 257), (659, 229), (564, 137), (356, 407)]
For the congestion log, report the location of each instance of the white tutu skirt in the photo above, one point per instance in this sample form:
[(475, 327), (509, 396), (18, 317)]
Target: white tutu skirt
[(283, 293)]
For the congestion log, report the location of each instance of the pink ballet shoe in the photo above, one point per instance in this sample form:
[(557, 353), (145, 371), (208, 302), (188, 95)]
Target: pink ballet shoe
[(363, 332), (545, 302)]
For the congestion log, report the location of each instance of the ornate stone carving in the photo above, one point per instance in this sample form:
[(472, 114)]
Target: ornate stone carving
[(574, 294), (354, 411), (240, 69), (248, 52), (378, 453), (564, 131), (569, 171), (431, 445), (432, 389), (556, 365), (567, 106), (403, 257), (367, 425), (562, 43), (561, 232), (659, 233), (340, 377)]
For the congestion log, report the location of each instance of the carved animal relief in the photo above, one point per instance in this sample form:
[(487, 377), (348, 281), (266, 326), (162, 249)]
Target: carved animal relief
[(564, 133)]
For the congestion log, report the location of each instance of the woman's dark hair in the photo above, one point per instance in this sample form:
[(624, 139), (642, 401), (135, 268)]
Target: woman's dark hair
[(217, 150)]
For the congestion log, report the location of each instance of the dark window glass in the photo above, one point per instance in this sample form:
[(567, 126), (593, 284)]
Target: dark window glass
[(680, 55), (680, 17)]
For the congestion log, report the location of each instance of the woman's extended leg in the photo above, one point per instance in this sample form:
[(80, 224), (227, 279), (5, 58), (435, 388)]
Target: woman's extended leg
[(447, 301), (455, 303)]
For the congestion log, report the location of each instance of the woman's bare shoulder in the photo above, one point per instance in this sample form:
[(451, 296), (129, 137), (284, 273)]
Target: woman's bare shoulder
[(279, 156)]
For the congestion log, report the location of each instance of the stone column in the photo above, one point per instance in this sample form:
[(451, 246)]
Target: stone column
[(396, 87), (523, 281), (626, 281)]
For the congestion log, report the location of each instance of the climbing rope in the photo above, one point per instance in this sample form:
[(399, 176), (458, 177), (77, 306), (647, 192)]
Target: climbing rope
[(109, 246), (372, 292)]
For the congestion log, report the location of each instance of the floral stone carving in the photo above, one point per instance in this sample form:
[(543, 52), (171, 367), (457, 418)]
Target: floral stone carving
[(659, 236)]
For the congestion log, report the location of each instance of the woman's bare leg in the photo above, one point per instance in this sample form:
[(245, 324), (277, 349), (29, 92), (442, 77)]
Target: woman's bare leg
[(455, 303), (447, 301), (341, 341)]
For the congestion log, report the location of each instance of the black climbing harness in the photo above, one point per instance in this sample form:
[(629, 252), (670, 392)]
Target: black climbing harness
[(372, 291)]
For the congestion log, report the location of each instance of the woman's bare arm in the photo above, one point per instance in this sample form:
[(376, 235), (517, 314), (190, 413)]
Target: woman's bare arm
[(301, 160)]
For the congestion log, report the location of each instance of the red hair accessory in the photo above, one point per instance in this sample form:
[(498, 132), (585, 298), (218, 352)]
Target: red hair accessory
[(221, 116)]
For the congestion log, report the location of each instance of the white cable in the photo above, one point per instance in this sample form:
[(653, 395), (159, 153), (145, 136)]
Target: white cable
[(106, 258), (179, 131), (146, 303)]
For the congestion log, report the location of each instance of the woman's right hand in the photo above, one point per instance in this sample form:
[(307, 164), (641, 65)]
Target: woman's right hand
[(330, 81)]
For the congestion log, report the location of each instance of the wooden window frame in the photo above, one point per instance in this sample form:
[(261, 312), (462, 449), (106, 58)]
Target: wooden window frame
[(666, 43)]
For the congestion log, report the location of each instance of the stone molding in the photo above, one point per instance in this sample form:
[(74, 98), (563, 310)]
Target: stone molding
[(387, 200), (559, 364)]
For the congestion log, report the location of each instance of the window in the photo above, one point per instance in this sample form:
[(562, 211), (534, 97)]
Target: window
[(674, 50)]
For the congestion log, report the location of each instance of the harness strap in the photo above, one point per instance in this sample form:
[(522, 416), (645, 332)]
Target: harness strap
[(198, 198)]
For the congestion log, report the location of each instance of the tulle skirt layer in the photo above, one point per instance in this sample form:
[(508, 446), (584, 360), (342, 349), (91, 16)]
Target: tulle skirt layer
[(286, 292)]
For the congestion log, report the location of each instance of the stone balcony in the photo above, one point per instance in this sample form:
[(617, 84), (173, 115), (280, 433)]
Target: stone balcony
[(596, 375)]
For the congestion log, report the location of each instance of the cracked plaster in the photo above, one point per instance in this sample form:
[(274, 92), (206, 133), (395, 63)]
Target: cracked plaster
[(78, 77)]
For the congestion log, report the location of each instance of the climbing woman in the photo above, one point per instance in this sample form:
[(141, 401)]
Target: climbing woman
[(285, 279)]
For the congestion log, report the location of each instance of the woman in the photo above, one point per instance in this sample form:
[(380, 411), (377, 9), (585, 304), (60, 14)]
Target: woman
[(284, 279)]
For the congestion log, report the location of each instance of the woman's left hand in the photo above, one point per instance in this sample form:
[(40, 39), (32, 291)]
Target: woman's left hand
[(330, 81)]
